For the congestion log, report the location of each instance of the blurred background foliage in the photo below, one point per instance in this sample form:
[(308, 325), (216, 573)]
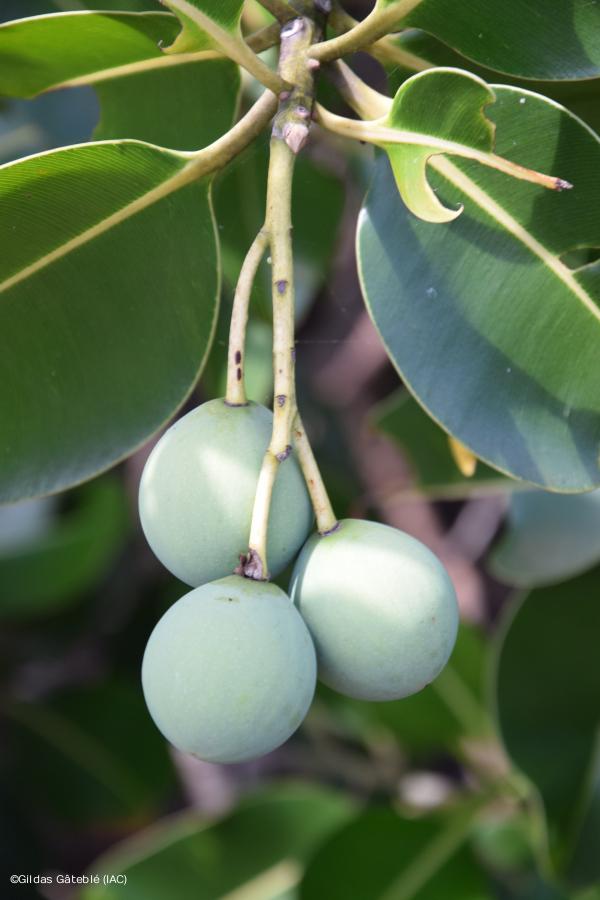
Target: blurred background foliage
[(485, 785)]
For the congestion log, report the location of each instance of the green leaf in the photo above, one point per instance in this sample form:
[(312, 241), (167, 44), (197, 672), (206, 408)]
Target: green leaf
[(103, 759), (380, 856), (415, 50), (549, 538), (185, 107), (445, 108), (547, 685), (65, 49), (108, 297), (144, 92), (49, 572), (436, 474), (197, 16), (259, 850), (520, 37), (491, 331)]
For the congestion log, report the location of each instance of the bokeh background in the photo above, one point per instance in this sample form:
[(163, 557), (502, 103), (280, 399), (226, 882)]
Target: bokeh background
[(485, 785)]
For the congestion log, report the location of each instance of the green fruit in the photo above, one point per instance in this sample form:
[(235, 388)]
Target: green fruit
[(197, 493), (380, 607), (229, 671)]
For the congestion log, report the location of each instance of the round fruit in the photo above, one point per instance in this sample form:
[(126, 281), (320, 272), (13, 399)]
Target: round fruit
[(229, 671), (380, 607), (197, 493)]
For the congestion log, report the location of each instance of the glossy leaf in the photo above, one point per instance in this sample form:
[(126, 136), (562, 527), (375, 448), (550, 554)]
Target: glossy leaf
[(548, 538), (436, 474), (520, 37), (547, 684), (144, 92), (108, 295), (103, 759), (201, 16), (380, 856), (173, 107), (75, 48), (260, 848), (415, 50), (459, 307), (47, 573), (445, 107)]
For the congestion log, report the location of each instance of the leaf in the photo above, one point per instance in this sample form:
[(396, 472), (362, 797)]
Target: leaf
[(549, 538), (103, 760), (258, 850), (220, 20), (197, 17), (47, 573), (380, 856), (65, 49), (546, 687), (144, 92), (445, 106), (436, 474), (185, 107), (108, 297), (520, 37), (415, 50), (491, 331)]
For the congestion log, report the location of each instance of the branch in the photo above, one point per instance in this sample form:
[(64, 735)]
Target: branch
[(236, 388), (386, 50), (212, 158), (325, 516), (232, 45), (378, 23), (290, 132), (279, 9), (378, 133), (364, 100)]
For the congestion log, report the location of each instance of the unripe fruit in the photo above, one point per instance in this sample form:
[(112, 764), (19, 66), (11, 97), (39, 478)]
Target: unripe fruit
[(197, 493), (380, 607), (229, 671)]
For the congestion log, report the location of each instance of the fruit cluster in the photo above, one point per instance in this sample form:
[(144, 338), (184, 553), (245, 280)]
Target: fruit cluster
[(230, 670)]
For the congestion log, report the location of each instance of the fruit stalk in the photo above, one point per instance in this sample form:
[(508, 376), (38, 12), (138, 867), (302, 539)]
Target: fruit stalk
[(236, 363), (289, 135), (326, 518)]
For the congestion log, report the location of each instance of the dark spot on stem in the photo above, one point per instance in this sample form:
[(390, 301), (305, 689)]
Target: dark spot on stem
[(239, 374), (238, 357), (281, 398), (281, 286), (281, 457)]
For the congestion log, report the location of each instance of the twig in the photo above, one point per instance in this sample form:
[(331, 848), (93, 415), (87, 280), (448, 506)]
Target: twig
[(378, 23), (326, 518), (236, 363)]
